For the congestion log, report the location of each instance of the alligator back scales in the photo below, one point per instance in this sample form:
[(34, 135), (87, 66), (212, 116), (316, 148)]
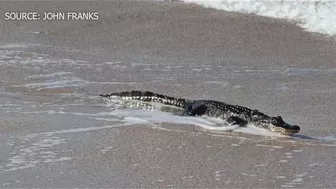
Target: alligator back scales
[(148, 96)]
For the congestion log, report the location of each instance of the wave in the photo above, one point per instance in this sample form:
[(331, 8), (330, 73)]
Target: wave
[(314, 16)]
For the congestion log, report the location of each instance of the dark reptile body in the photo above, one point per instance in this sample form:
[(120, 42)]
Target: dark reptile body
[(232, 114)]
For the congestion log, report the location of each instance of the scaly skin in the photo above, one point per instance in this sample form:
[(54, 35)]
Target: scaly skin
[(233, 114)]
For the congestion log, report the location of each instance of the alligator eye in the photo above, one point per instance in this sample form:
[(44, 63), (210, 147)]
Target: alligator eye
[(279, 118), (274, 121)]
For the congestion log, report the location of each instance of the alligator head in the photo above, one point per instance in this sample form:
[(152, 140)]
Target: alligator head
[(276, 124)]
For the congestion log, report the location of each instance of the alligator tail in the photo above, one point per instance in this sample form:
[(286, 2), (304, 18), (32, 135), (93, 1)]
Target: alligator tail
[(148, 96)]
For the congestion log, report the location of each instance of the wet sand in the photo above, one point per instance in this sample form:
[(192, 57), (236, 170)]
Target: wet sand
[(299, 84)]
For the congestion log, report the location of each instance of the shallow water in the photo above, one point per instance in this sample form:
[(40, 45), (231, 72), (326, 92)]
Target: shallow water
[(65, 88)]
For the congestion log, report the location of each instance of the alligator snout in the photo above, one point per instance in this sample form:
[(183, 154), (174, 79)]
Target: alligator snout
[(296, 129), (286, 129)]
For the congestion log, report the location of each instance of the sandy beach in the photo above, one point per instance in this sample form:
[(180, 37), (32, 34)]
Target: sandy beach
[(56, 132)]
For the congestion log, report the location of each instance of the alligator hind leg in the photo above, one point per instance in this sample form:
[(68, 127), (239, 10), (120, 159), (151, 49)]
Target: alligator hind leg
[(195, 111), (236, 121)]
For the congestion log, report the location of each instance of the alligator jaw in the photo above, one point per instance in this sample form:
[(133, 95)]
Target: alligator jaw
[(285, 129), (294, 129)]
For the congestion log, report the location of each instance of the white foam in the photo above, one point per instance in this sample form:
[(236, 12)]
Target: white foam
[(252, 129), (11, 57), (327, 138), (64, 82), (14, 46), (35, 148), (132, 116), (314, 16), (78, 130), (57, 160), (141, 116), (26, 45), (51, 75)]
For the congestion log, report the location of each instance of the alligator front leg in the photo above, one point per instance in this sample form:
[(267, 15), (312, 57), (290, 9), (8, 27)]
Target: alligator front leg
[(236, 121), (193, 110)]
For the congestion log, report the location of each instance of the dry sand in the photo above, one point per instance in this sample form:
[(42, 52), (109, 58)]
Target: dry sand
[(167, 33)]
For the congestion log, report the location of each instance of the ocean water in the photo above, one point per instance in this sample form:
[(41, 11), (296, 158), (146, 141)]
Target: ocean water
[(313, 16)]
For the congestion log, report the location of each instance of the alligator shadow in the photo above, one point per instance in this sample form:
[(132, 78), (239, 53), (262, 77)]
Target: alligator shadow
[(324, 139), (299, 136)]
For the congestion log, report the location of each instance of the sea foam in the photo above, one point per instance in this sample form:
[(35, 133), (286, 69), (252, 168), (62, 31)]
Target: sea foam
[(314, 16)]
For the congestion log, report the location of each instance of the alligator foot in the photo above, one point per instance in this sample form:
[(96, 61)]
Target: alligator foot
[(195, 111), (236, 121)]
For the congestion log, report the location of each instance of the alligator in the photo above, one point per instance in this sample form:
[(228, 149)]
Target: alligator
[(232, 114)]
